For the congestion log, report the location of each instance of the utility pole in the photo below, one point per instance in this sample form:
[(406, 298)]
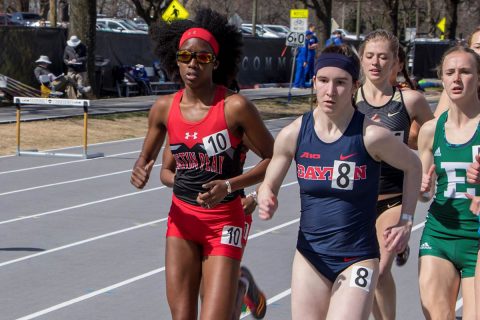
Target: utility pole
[(343, 15), (254, 18), (359, 8)]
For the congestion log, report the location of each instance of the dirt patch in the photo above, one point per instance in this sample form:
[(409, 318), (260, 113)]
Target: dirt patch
[(51, 134)]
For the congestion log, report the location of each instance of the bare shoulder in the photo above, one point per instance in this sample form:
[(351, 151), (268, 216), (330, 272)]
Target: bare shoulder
[(289, 134), (412, 96), (237, 102), (160, 108), (414, 100), (428, 128)]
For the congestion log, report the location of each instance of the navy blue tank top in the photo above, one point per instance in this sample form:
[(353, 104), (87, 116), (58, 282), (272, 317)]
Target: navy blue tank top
[(338, 190)]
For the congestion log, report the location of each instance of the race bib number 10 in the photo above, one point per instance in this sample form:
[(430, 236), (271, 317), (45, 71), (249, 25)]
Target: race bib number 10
[(232, 236), (217, 143)]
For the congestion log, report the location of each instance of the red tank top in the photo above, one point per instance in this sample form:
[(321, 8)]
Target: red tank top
[(204, 150)]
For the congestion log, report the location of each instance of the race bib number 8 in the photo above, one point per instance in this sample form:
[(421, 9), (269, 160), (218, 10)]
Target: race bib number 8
[(343, 175), (232, 236), (217, 143), (361, 277)]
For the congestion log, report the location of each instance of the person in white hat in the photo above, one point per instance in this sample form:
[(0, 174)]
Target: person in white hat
[(46, 78), (75, 57)]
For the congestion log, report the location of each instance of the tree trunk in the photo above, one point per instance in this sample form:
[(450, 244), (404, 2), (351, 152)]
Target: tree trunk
[(452, 18), (44, 8), (63, 11), (83, 17), (323, 11), (53, 13), (24, 5)]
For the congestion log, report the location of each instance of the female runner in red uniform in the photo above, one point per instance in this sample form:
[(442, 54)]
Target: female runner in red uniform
[(205, 124)]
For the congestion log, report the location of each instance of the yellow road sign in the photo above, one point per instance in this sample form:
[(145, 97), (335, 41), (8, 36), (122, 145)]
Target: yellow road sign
[(175, 11), (441, 24), (298, 13)]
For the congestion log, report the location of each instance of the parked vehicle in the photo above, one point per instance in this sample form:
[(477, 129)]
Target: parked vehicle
[(277, 28), (348, 35), (117, 25), (25, 18), (260, 31), (6, 20)]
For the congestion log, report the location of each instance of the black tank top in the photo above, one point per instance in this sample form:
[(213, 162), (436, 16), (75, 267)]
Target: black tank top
[(394, 116)]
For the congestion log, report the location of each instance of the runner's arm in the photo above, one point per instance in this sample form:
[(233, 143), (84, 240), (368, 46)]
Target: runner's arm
[(283, 153)]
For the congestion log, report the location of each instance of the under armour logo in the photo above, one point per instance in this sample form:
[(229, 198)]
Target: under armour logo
[(188, 135)]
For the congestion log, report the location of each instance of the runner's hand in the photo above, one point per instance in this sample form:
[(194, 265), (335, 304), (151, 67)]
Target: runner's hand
[(475, 204), (396, 237), (267, 204), (141, 173), (427, 180), (216, 192), (249, 205), (473, 171)]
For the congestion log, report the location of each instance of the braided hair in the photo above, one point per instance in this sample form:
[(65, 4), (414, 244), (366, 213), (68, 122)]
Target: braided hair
[(167, 37)]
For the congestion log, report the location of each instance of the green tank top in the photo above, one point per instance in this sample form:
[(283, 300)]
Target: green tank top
[(449, 213)]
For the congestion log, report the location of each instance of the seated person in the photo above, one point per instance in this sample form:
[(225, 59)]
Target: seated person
[(46, 78)]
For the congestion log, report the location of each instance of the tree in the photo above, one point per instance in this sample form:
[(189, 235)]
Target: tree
[(392, 11), (83, 17), (452, 18), (152, 10), (53, 13), (323, 11)]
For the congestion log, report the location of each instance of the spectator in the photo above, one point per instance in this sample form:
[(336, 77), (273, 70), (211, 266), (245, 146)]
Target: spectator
[(75, 57), (57, 84), (302, 63), (336, 39), (312, 45)]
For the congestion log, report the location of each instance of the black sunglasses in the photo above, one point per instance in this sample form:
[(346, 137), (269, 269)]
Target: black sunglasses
[(186, 56)]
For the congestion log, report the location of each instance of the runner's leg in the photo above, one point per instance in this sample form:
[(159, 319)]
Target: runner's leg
[(439, 283), (385, 293), (355, 288), (310, 290), (477, 287), (468, 295), (183, 273), (220, 277)]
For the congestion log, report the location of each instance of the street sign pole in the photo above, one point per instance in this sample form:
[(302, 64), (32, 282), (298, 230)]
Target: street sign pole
[(291, 74), (296, 38)]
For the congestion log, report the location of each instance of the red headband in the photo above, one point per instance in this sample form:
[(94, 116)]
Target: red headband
[(200, 33)]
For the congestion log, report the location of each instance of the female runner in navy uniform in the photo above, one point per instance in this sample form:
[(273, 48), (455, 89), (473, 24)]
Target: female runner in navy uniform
[(396, 110), (338, 152), (205, 124)]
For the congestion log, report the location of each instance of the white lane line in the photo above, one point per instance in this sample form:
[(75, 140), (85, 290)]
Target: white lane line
[(85, 204), (92, 294), (69, 181), (67, 162), (100, 143), (459, 304), (279, 296), (74, 244), (116, 286), (80, 205), (90, 145), (105, 235), (418, 226)]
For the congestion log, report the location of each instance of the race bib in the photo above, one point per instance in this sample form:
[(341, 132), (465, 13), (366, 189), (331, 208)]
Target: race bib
[(343, 175), (217, 143), (232, 236), (361, 277)]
